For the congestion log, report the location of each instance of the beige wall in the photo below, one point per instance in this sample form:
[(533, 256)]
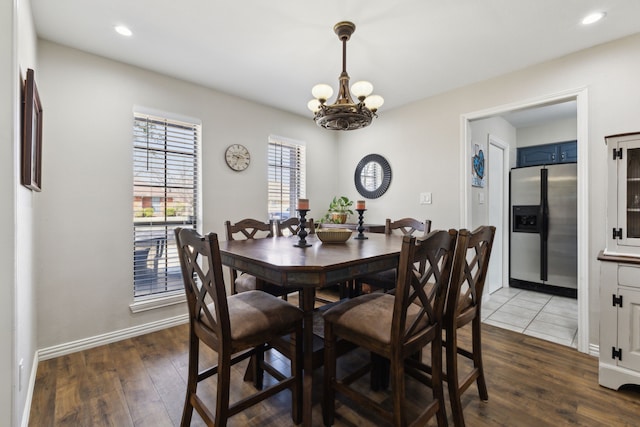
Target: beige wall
[(548, 133), (84, 218), (422, 140), (87, 161)]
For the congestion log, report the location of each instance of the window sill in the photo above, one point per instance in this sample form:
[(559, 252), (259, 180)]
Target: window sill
[(154, 302)]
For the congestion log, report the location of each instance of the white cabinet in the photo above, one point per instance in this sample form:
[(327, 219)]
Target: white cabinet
[(619, 321), (623, 196), (620, 266)]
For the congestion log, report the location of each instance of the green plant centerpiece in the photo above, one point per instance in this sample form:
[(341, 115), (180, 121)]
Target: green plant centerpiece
[(339, 210)]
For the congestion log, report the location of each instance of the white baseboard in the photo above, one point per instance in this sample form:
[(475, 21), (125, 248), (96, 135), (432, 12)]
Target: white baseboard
[(32, 383), (98, 340), (594, 350)]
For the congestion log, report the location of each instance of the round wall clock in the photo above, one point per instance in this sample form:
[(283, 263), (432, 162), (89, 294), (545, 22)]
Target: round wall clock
[(237, 157)]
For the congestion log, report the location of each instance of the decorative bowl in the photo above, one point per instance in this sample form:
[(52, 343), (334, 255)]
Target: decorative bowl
[(334, 235)]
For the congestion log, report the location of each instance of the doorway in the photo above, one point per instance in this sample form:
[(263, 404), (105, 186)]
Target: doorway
[(580, 97)]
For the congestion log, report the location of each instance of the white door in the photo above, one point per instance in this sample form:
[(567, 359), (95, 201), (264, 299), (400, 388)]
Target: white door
[(496, 177)]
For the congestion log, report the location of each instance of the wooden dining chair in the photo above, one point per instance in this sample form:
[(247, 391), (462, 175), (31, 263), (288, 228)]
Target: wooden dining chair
[(291, 226), (251, 229), (396, 327), (464, 302), (386, 280), (235, 327)]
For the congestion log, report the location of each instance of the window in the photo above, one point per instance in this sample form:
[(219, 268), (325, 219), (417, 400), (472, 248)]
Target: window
[(165, 196), (286, 161)]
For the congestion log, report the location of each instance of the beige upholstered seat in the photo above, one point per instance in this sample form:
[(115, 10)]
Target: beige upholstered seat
[(396, 327), (236, 327)]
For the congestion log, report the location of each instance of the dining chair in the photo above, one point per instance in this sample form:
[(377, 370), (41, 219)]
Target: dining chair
[(463, 307), (251, 229), (291, 226), (386, 280), (235, 327), (396, 327)]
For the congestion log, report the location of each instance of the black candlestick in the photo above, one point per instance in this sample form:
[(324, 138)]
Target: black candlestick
[(360, 235), (302, 233)]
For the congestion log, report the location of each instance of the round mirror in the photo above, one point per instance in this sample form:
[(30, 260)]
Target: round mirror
[(372, 176)]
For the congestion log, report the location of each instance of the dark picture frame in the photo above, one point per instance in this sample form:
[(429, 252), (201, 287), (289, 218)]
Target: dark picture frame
[(31, 135)]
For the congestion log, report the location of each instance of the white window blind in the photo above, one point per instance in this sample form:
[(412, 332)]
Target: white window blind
[(286, 170), (165, 185)]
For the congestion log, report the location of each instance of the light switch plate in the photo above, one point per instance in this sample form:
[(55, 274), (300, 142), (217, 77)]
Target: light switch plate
[(425, 198)]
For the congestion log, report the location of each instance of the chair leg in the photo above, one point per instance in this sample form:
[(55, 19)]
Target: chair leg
[(258, 367), (398, 391), (297, 363), (452, 376), (328, 394), (436, 380), (477, 358), (192, 379), (224, 385)]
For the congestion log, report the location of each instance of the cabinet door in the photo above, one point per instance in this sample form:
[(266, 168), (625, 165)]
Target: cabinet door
[(569, 152), (629, 329), (538, 155), (629, 192)]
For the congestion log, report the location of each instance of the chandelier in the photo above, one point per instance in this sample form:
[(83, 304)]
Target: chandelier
[(344, 114)]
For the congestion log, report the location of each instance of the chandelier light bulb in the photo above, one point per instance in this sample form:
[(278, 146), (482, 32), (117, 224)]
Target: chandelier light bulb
[(313, 105), (322, 92), (373, 102), (362, 89)]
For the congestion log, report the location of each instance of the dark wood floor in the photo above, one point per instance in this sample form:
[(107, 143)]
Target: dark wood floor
[(141, 382)]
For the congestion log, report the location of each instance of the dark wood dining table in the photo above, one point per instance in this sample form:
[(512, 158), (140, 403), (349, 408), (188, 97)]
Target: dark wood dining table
[(276, 260)]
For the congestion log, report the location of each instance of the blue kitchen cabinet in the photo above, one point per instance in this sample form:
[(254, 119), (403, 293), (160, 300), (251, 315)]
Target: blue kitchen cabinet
[(547, 154)]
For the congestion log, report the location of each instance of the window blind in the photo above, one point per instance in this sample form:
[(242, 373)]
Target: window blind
[(165, 186), (286, 177)]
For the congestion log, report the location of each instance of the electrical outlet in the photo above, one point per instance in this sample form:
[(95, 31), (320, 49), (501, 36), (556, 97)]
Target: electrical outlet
[(425, 198)]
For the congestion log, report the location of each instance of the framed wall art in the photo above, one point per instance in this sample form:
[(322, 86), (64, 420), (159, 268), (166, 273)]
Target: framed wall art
[(478, 166), (31, 135)]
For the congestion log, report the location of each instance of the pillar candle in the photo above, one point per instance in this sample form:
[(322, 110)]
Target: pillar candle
[(303, 204), (360, 204)]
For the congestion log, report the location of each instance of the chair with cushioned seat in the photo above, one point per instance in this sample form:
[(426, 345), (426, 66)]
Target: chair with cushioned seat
[(396, 327), (235, 327), (463, 307), (386, 280), (251, 229)]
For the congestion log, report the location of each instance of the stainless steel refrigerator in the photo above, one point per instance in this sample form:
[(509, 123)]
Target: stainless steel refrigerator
[(543, 246)]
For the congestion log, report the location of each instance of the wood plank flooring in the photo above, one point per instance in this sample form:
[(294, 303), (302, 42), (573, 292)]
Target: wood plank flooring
[(141, 382)]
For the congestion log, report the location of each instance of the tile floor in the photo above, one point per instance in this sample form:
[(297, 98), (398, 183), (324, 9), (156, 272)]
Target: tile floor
[(548, 317)]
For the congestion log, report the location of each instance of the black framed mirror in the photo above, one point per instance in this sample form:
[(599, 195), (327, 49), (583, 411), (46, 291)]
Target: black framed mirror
[(372, 176)]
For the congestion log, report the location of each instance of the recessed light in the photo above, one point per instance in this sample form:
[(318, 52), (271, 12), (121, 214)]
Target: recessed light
[(123, 31), (593, 18)]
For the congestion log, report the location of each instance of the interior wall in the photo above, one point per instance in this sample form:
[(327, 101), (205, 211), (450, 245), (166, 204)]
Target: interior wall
[(480, 131), (548, 133), (84, 215), (422, 140), (8, 107)]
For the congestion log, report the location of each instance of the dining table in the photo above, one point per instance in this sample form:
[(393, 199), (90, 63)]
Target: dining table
[(279, 261)]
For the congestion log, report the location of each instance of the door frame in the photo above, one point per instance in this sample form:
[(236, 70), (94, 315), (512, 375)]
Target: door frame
[(492, 140), (580, 95)]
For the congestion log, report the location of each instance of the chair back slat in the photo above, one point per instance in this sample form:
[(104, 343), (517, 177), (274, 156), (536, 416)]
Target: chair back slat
[(407, 226), (248, 228), (424, 271), (470, 272), (203, 280), (291, 226)]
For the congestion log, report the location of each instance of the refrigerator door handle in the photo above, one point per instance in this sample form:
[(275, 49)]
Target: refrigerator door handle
[(544, 225)]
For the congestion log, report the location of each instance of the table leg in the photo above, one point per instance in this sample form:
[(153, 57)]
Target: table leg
[(307, 303)]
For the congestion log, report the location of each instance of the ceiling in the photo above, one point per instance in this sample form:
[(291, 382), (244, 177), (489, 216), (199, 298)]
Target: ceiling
[(273, 52)]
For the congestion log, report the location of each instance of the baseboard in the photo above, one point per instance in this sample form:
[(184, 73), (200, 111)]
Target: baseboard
[(32, 383), (594, 350), (98, 340)]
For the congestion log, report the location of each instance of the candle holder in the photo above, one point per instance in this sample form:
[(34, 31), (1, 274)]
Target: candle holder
[(361, 235), (302, 233)]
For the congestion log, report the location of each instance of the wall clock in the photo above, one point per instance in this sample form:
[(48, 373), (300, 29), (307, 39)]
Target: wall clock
[(237, 157)]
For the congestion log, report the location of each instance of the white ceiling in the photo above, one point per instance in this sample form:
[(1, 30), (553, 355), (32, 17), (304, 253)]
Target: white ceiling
[(273, 52)]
